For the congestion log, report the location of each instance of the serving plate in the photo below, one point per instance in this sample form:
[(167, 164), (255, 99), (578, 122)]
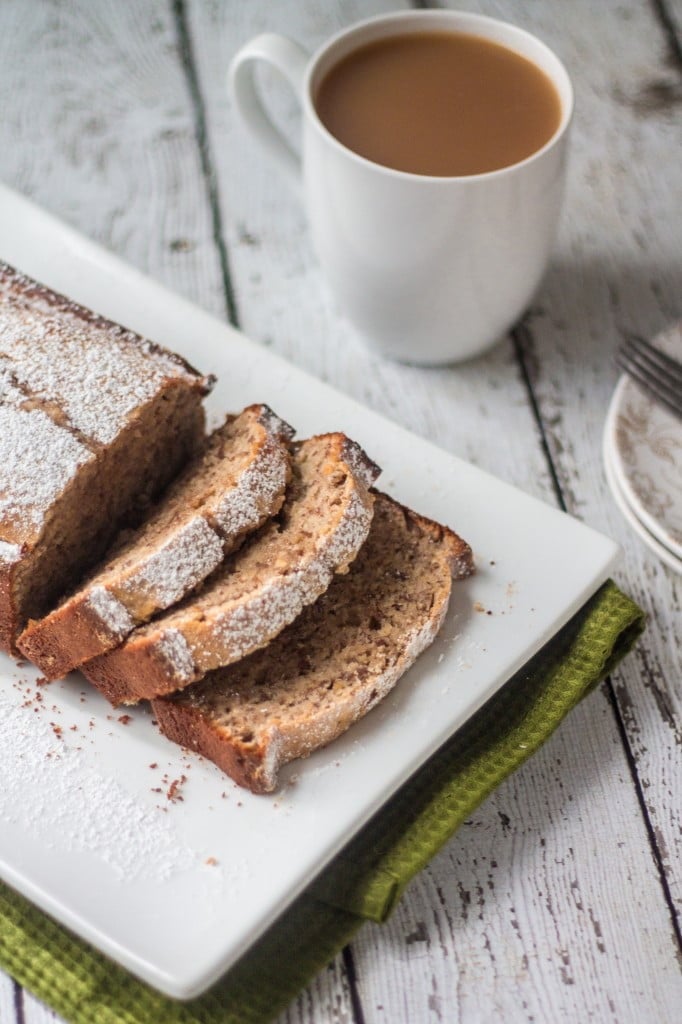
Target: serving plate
[(628, 512), (154, 856), (644, 440)]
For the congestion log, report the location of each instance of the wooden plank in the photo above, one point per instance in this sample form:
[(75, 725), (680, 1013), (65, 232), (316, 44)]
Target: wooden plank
[(7, 1000), (535, 910), (20, 1007), (327, 999), (669, 13), (97, 126), (283, 301), (35, 1012)]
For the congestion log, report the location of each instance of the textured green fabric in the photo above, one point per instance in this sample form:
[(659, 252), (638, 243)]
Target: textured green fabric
[(368, 879)]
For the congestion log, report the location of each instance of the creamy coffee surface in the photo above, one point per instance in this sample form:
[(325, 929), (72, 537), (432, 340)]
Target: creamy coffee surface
[(439, 103)]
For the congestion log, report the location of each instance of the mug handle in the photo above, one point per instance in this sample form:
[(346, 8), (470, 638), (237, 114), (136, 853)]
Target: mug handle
[(291, 60)]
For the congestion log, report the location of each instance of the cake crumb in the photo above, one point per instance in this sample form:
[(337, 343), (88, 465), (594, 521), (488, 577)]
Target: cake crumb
[(173, 793)]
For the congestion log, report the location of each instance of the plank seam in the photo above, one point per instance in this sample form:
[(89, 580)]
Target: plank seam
[(351, 974), (519, 334), (18, 1002), (189, 67), (666, 22), (658, 858)]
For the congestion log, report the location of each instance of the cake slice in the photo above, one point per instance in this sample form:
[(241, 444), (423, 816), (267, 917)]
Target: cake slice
[(232, 487), (262, 587), (335, 662), (94, 422)]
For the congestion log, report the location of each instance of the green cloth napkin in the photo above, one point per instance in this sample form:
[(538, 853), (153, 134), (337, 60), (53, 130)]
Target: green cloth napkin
[(367, 880)]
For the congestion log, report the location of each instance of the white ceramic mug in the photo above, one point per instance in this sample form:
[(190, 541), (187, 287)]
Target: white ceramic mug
[(431, 269)]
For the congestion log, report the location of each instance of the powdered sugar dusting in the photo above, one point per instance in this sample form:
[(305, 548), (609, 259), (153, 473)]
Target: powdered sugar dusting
[(251, 624), (111, 612), (462, 563), (180, 564), (9, 553), (272, 759), (52, 791), (348, 538), (257, 490), (362, 466), (272, 423), (255, 621), (30, 483), (241, 625), (97, 372), (176, 653), (9, 392)]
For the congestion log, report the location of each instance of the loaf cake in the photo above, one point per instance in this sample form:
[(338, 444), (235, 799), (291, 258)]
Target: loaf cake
[(94, 422), (334, 663), (261, 588), (230, 489)]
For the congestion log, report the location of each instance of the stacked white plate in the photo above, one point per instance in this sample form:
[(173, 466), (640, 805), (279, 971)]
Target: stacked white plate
[(643, 461)]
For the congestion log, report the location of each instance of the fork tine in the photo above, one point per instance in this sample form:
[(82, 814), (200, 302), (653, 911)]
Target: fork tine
[(636, 345), (650, 369), (630, 360), (663, 392)]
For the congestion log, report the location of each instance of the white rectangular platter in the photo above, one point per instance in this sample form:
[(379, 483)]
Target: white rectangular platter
[(176, 890)]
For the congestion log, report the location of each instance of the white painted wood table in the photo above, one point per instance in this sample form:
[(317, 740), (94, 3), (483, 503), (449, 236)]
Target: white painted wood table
[(560, 899)]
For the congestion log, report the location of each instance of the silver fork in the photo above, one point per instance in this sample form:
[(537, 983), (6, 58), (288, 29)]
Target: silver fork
[(658, 373)]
